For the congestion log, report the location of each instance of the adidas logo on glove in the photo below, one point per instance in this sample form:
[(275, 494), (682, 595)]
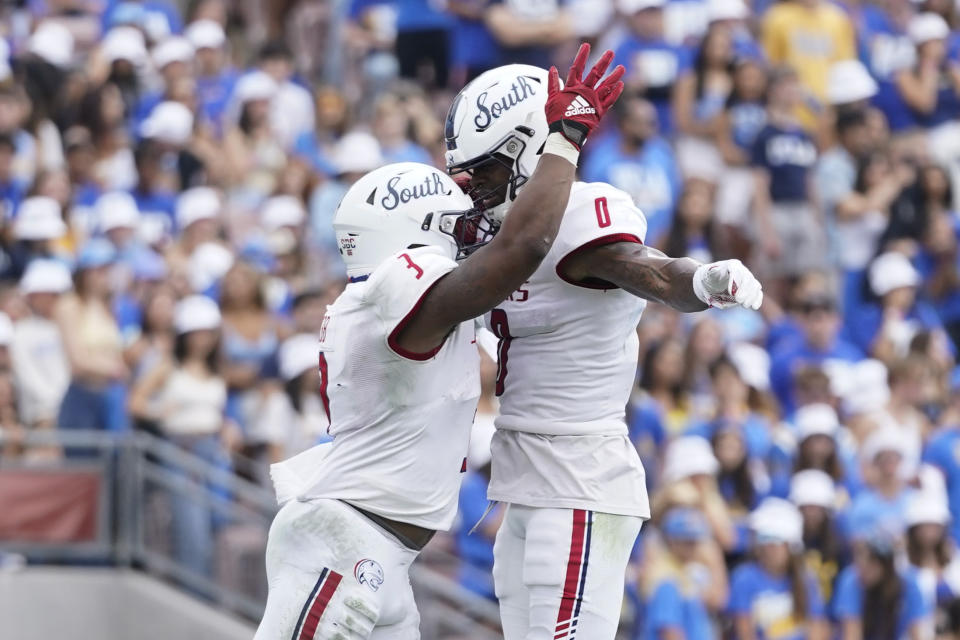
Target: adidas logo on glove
[(578, 107)]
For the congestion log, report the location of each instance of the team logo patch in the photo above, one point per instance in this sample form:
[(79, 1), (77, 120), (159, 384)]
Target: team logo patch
[(369, 572)]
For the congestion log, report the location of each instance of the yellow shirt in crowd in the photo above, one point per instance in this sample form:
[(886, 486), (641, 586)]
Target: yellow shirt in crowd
[(809, 39)]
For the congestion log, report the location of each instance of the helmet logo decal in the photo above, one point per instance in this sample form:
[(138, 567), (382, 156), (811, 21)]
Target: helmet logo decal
[(520, 90), (432, 185)]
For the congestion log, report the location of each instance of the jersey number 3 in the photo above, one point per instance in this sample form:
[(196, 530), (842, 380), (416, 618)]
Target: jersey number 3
[(501, 329)]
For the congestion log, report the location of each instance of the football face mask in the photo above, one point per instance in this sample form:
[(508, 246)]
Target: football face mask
[(469, 229)]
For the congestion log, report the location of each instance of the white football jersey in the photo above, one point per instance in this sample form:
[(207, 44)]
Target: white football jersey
[(567, 363), (400, 421)]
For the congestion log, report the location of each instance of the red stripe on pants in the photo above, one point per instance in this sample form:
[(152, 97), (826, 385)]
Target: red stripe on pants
[(319, 606), (573, 568)]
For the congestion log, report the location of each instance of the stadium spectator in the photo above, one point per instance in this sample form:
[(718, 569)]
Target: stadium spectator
[(823, 445), (694, 232), (251, 338), (818, 340), (882, 503), (688, 479), (699, 99), (931, 552), (186, 397), (474, 48), (654, 66), (741, 119), (858, 217), (525, 31), (776, 596), (808, 36), (91, 337), (814, 494), (153, 339), (37, 228), (11, 189), (685, 581), (931, 89), (875, 599), (39, 361), (782, 157), (215, 76), (291, 107), (886, 327)]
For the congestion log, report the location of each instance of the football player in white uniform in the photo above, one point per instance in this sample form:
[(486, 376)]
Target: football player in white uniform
[(567, 351), (400, 374)]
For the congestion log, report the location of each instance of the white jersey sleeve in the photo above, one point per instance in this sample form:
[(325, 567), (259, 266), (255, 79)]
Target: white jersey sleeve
[(397, 289), (597, 214)]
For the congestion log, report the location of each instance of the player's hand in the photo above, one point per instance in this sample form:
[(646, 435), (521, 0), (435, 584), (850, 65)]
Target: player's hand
[(727, 284), (575, 110)]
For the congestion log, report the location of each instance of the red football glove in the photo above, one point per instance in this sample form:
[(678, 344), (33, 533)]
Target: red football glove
[(575, 110)]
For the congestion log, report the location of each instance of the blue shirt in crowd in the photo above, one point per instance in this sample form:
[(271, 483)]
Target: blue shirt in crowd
[(473, 45), (660, 64), (412, 15), (791, 355), (947, 307), (11, 193), (873, 511), (751, 587), (649, 175), (943, 451), (213, 95), (848, 600), (865, 322), (883, 48), (747, 120), (754, 430), (670, 608), (155, 16), (788, 154)]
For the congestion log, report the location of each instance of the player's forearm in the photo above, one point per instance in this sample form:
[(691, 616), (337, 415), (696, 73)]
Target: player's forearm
[(668, 281)]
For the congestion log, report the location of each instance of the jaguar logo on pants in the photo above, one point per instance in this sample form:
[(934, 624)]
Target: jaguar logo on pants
[(369, 572)]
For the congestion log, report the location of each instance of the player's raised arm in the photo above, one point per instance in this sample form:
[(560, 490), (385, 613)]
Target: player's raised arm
[(490, 274), (681, 283)]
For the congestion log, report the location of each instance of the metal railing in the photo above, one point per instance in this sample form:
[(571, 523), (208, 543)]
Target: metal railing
[(152, 487)]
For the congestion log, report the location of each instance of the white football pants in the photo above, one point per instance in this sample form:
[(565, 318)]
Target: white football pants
[(559, 573), (335, 575)]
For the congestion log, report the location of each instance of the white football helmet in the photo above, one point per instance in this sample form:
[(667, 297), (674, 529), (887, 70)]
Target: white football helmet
[(499, 117), (404, 204)]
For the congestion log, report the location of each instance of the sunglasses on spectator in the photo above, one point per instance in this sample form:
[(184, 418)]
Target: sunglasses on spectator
[(810, 306)]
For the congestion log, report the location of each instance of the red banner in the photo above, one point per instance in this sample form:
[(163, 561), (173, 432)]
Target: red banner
[(52, 507)]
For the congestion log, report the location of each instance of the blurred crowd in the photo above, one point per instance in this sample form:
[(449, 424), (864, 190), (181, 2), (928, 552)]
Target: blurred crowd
[(168, 176)]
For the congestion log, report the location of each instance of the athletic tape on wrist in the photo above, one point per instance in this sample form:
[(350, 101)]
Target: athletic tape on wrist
[(560, 146), (699, 288)]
